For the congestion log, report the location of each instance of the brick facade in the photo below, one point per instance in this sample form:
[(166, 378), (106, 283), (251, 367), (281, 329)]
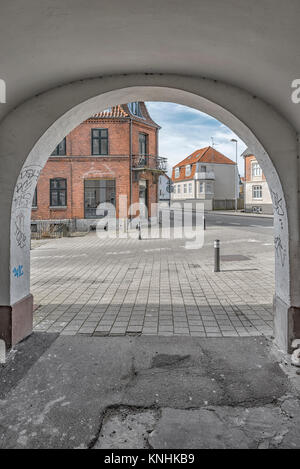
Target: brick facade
[(79, 165)]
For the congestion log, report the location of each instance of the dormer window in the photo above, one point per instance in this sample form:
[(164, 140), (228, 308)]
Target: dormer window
[(135, 109), (188, 170), (176, 172)]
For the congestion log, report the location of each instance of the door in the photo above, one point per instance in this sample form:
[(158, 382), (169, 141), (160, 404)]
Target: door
[(143, 199), (96, 192)]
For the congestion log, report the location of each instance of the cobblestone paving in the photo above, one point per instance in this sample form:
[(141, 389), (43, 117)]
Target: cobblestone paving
[(91, 286)]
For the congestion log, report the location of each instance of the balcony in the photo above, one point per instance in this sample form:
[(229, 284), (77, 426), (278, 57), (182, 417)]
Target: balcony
[(209, 175), (149, 163)]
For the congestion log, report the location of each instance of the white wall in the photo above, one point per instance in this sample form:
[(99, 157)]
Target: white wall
[(45, 119), (266, 196), (163, 194), (224, 181)]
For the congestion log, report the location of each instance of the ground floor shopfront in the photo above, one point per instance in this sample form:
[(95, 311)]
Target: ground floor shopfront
[(79, 192)]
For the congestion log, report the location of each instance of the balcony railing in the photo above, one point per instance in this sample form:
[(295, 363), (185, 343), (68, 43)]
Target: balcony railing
[(207, 175), (149, 162)]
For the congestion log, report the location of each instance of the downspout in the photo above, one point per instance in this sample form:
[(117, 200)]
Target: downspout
[(130, 164)]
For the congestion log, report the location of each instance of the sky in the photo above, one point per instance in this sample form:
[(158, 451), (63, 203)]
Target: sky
[(185, 130)]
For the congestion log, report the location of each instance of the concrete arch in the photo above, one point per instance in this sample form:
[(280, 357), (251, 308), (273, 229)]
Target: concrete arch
[(30, 132)]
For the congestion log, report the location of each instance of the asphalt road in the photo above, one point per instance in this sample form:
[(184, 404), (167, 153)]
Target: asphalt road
[(250, 222), (255, 222)]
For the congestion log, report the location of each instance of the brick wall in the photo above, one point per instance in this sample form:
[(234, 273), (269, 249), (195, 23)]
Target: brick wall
[(78, 165), (248, 162)]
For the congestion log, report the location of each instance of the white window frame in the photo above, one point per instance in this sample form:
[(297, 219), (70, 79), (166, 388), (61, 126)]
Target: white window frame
[(178, 189), (185, 188), (201, 187), (177, 173), (190, 188), (257, 192), (188, 170), (255, 169)]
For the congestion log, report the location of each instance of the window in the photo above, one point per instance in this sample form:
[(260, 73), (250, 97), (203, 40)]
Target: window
[(185, 188), (99, 141), (177, 172), (201, 187), (202, 169), (188, 170), (178, 189), (256, 170), (135, 109), (174, 190), (34, 200), (58, 192), (208, 187), (143, 144), (257, 192), (98, 191), (190, 188), (60, 150)]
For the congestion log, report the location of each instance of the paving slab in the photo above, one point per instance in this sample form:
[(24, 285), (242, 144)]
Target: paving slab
[(76, 389), (155, 282)]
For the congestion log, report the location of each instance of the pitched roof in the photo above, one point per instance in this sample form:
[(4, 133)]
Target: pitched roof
[(122, 111), (112, 112), (246, 153), (204, 155)]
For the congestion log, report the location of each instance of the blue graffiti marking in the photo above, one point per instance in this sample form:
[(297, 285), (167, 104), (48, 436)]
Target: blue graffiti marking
[(18, 271)]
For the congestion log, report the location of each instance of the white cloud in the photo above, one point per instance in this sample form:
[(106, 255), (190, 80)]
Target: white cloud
[(185, 130)]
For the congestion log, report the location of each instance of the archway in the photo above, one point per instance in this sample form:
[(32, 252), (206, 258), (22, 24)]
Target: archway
[(44, 120)]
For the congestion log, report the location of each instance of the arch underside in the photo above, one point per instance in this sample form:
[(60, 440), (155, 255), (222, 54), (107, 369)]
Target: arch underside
[(54, 114)]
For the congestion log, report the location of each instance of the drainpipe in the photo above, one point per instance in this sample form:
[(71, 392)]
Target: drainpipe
[(130, 162)]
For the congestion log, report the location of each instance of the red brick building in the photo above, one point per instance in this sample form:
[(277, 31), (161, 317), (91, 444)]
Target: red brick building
[(111, 155)]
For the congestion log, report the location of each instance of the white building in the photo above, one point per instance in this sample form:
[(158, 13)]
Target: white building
[(256, 191), (209, 176), (164, 184)]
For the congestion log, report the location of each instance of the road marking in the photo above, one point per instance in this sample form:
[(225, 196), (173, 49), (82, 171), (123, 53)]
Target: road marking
[(261, 226), (232, 223), (65, 255)]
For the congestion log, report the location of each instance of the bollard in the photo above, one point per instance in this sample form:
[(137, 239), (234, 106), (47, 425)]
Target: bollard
[(140, 231), (217, 255), (2, 351), (204, 223)]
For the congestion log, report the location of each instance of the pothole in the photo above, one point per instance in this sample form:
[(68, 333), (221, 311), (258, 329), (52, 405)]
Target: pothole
[(165, 360), (127, 428)]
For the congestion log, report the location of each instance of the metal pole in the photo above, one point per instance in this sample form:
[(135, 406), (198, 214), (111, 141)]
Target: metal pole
[(140, 231), (236, 174), (217, 255), (130, 167)]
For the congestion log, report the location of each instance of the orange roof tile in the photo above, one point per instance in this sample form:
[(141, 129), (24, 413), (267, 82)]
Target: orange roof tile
[(204, 155), (123, 111), (115, 111)]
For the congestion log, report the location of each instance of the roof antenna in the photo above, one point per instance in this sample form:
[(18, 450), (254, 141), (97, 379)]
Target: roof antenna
[(213, 149)]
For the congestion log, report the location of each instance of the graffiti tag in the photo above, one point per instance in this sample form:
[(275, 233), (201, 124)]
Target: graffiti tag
[(18, 271), (278, 203), (24, 188), (280, 250)]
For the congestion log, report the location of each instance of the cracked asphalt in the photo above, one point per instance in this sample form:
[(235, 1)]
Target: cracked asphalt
[(148, 392)]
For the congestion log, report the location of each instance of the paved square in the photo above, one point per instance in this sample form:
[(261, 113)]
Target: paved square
[(92, 286)]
